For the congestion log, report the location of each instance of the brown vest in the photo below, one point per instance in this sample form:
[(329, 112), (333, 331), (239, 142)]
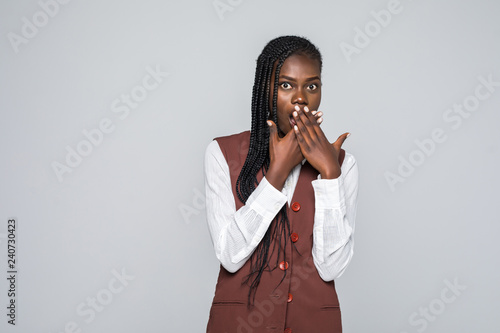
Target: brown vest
[(303, 302)]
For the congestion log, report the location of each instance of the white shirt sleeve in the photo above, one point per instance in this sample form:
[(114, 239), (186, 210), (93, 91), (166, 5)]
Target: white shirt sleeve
[(335, 213), (236, 234)]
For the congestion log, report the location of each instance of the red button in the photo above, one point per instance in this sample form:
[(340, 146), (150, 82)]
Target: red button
[(283, 265), (294, 236), (290, 297), (295, 206), (288, 330)]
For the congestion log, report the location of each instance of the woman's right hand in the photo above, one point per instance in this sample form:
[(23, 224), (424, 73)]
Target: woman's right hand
[(284, 155)]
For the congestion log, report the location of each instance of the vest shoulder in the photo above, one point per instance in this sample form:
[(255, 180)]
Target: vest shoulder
[(233, 136), (234, 139)]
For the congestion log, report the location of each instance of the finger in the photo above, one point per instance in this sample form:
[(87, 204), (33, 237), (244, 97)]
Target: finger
[(306, 124), (302, 135), (273, 131), (288, 136), (312, 115), (340, 141), (300, 125), (317, 115)]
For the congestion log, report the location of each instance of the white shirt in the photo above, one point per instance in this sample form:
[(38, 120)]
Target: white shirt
[(236, 234)]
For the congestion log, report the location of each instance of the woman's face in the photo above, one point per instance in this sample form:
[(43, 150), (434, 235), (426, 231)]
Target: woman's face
[(299, 84)]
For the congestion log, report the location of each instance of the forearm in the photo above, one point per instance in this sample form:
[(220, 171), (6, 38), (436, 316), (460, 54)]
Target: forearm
[(333, 242), (239, 235), (334, 221)]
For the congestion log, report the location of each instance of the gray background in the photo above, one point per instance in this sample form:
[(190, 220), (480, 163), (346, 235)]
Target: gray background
[(133, 203)]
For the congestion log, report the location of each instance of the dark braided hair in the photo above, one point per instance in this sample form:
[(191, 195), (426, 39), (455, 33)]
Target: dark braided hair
[(274, 54)]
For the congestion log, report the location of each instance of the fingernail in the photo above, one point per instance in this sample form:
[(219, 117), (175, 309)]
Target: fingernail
[(319, 114), (348, 135), (269, 123), (295, 127), (297, 107), (306, 109), (313, 113), (320, 120), (295, 114)]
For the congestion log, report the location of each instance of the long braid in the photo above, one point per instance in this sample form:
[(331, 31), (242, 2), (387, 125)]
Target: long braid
[(275, 52)]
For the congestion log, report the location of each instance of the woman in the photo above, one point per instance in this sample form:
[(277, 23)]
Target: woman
[(281, 204)]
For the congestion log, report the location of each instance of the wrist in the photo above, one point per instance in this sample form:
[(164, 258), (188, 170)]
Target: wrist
[(276, 176), (330, 174)]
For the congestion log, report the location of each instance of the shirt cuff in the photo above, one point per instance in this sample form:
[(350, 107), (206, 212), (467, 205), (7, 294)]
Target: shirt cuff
[(266, 200), (329, 193)]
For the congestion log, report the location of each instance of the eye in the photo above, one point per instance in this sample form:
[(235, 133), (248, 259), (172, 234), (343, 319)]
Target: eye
[(312, 86), (286, 85)]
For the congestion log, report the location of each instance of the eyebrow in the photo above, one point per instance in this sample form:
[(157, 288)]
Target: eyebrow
[(292, 79)]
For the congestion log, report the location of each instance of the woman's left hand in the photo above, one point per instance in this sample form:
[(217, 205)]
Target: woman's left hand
[(315, 147)]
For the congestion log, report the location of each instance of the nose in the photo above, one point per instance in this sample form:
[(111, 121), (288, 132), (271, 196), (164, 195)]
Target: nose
[(299, 98)]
